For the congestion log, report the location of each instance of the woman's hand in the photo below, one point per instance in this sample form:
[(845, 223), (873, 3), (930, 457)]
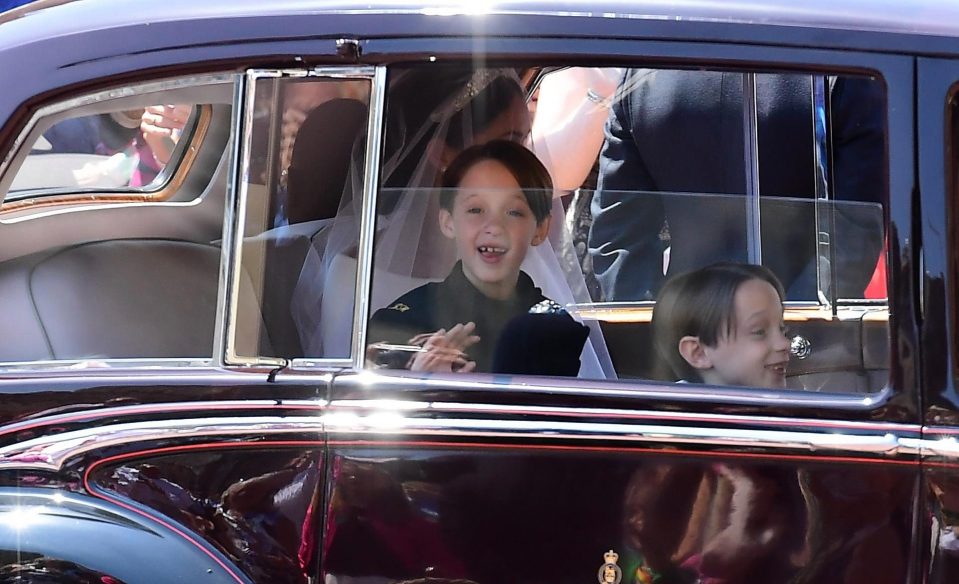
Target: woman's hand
[(445, 350), (161, 126)]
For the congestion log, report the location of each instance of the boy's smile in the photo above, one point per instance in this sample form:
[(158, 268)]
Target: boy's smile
[(493, 227), (756, 351)]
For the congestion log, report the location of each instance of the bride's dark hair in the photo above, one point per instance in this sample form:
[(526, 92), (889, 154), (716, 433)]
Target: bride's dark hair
[(464, 100)]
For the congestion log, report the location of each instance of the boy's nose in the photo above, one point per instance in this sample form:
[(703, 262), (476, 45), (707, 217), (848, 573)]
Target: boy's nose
[(493, 226), (782, 342)]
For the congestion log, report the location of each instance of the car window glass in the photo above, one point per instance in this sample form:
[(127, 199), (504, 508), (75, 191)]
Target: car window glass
[(654, 175), (130, 280), (116, 150), (304, 161)]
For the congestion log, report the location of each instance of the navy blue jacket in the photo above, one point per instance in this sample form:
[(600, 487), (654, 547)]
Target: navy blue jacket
[(682, 132)]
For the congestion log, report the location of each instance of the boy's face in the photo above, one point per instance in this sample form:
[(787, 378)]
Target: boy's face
[(493, 227), (756, 352)]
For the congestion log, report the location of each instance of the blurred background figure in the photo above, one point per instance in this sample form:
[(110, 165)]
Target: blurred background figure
[(116, 149)]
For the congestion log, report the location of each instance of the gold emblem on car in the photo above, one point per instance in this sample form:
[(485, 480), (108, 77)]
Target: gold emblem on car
[(400, 306), (610, 572)]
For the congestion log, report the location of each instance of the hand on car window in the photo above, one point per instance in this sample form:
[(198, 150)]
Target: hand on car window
[(445, 350), (161, 126)]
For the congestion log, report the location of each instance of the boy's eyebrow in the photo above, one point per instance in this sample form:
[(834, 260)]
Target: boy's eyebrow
[(466, 194), (760, 312)]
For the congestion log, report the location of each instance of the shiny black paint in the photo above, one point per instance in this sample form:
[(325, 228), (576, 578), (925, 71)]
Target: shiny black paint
[(527, 516), (259, 507), (481, 512), (44, 538), (936, 115), (38, 405), (938, 232), (941, 485)]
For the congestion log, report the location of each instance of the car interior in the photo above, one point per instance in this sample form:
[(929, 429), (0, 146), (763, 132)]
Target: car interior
[(94, 274)]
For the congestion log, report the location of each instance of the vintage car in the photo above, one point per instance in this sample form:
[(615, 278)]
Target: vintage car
[(205, 203)]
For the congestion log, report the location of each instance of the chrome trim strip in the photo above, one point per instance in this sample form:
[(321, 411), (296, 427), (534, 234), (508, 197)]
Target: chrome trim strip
[(825, 246), (307, 364), (251, 78), (391, 423), (222, 340), (650, 304), (122, 92), (409, 406), (587, 388), (231, 357), (912, 447), (368, 213), (52, 452), (820, 131), (821, 176), (96, 366), (158, 374), (943, 447), (344, 72), (754, 244), (81, 207), (204, 408)]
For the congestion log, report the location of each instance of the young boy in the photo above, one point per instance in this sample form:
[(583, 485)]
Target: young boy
[(495, 204), (723, 325)]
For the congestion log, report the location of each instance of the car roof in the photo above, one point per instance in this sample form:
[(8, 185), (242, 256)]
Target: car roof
[(923, 17)]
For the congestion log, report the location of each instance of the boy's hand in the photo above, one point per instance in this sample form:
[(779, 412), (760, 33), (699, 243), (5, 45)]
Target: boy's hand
[(445, 349)]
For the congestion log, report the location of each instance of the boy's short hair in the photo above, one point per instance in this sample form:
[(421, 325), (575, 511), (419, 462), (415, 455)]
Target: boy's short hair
[(700, 303), (525, 167)]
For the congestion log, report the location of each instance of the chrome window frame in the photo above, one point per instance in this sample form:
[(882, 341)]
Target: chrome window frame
[(799, 398), (225, 346)]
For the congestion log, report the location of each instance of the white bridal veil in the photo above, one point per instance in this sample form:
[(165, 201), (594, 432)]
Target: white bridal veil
[(431, 113)]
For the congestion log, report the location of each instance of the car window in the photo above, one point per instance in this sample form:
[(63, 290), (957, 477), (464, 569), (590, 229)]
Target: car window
[(655, 173), (121, 147), (117, 150), (90, 278), (303, 166)]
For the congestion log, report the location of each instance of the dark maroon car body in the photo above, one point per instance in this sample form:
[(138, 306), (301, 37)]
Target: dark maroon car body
[(262, 472)]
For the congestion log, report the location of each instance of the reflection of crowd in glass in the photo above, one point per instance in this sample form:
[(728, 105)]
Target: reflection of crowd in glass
[(137, 143)]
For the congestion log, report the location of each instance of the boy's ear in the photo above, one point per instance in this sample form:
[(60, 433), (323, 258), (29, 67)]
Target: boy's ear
[(542, 231), (694, 352), (446, 223)]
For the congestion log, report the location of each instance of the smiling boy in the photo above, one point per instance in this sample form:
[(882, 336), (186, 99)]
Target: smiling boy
[(495, 205), (723, 325)]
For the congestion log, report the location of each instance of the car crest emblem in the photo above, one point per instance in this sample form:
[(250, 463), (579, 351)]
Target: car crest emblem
[(400, 307), (610, 572)]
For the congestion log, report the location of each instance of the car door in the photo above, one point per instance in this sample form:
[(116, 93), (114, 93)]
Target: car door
[(937, 134), (516, 477), (146, 419)]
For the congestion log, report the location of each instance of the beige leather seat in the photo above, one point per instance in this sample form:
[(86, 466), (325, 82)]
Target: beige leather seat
[(115, 299)]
